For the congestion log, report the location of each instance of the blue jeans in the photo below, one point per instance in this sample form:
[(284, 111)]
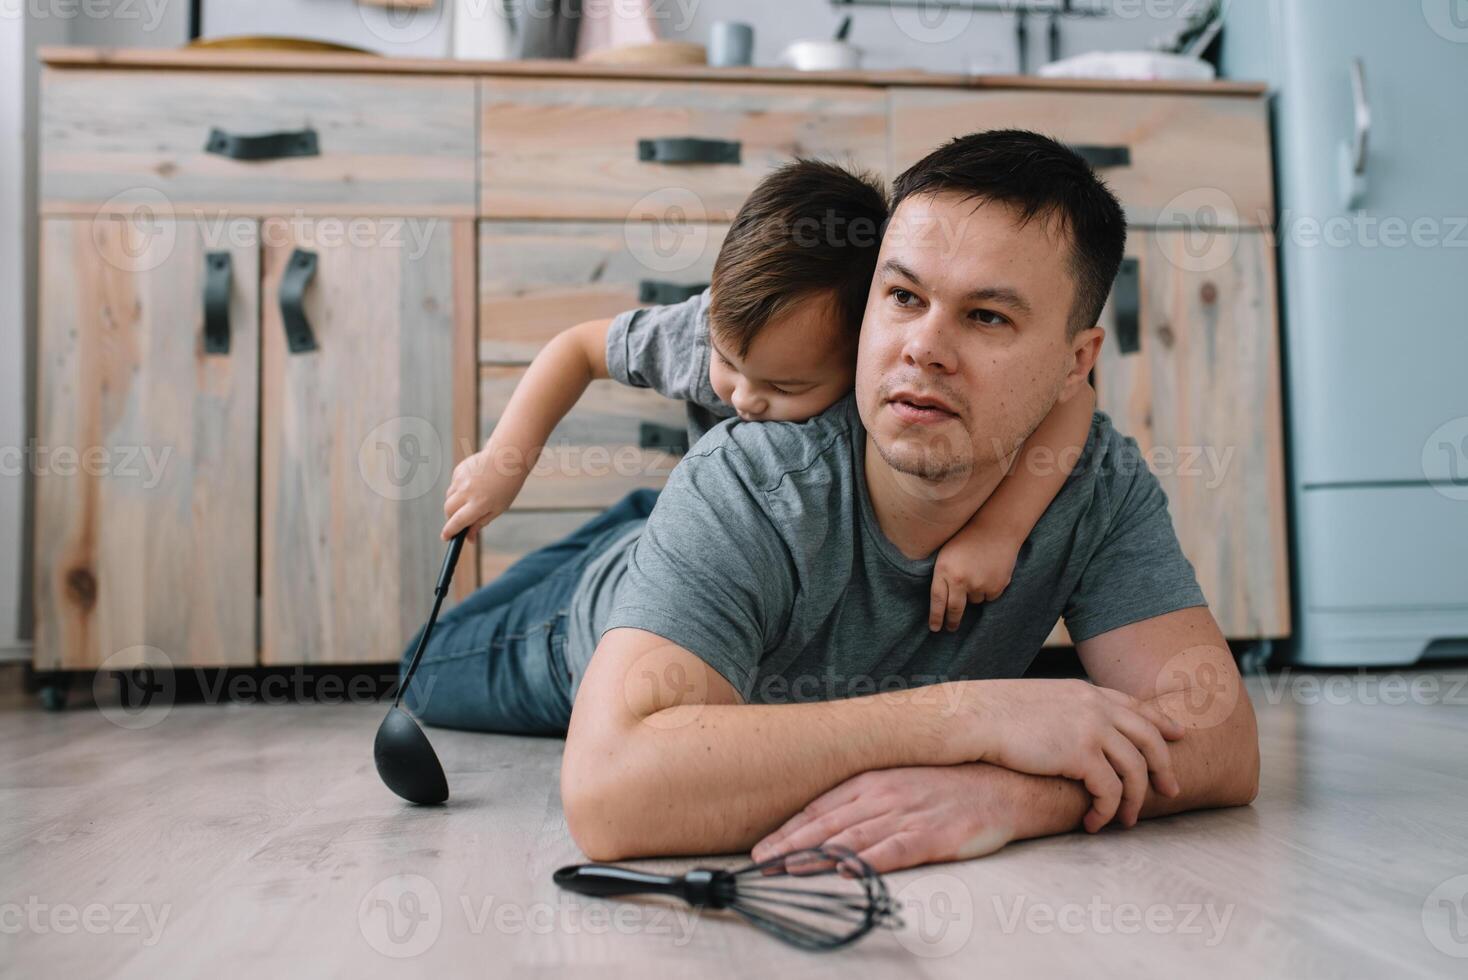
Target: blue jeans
[(497, 661)]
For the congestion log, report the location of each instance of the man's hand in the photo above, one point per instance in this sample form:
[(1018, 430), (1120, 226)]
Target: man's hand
[(900, 818), (1107, 740)]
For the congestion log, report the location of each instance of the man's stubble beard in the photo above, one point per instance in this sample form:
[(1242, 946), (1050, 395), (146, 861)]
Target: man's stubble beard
[(953, 465)]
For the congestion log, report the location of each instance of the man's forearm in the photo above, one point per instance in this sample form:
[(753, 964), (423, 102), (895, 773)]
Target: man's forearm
[(713, 778)]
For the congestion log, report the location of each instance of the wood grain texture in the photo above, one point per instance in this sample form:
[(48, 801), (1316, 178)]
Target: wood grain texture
[(559, 148), (265, 857), (1202, 399), (359, 440), (145, 465), (396, 146), (1195, 160), (329, 62), (592, 458), (536, 278)]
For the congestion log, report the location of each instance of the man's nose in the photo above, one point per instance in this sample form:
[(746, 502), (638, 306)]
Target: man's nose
[(928, 345)]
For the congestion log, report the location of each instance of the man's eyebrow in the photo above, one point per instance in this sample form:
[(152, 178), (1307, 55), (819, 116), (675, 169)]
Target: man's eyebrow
[(989, 294), (892, 265), (1001, 294)]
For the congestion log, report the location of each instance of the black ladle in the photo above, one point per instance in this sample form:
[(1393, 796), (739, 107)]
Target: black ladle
[(405, 759)]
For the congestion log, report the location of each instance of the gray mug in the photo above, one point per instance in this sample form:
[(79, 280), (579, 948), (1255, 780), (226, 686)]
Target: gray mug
[(731, 44)]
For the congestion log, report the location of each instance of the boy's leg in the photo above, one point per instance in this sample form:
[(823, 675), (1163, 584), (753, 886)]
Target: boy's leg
[(500, 666), (534, 566)]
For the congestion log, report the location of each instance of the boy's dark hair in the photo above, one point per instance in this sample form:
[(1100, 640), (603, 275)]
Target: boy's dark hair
[(1038, 177), (809, 227)]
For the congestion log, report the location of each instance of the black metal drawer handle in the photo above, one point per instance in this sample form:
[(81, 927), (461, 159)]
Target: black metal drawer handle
[(1104, 157), (217, 277), (687, 149), (264, 146), (667, 293), (663, 438), (1127, 296), (293, 282)]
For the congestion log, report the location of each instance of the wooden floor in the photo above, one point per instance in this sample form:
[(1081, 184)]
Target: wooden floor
[(254, 840)]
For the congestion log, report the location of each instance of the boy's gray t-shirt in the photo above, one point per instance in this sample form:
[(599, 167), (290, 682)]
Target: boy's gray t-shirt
[(763, 557), (666, 348)]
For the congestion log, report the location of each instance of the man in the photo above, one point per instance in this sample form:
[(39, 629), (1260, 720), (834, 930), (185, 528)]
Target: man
[(781, 552), (752, 667)]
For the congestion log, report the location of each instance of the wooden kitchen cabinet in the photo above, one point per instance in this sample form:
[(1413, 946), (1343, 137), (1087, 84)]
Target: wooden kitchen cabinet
[(1190, 369), (455, 217), (145, 497)]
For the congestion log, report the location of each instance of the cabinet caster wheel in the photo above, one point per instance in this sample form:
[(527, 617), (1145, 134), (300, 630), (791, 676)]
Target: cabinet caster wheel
[(1255, 659), (53, 690)]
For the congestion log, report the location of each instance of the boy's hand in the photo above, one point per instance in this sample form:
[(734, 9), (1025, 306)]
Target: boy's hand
[(973, 567), (478, 493)]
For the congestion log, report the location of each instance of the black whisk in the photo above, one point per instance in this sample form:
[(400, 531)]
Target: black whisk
[(816, 898)]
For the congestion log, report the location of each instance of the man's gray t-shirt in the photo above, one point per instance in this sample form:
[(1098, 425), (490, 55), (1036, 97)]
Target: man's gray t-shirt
[(666, 348), (763, 557)]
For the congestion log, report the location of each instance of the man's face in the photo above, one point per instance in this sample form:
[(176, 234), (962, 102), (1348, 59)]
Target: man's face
[(964, 347)]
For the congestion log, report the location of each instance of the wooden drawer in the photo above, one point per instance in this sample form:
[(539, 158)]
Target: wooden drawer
[(1193, 159), (538, 278), (570, 149), (593, 457), (120, 140)]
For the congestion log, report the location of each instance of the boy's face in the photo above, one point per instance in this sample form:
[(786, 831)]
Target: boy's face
[(799, 365)]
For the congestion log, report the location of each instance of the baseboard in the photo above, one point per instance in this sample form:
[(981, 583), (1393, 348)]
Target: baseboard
[(15, 652)]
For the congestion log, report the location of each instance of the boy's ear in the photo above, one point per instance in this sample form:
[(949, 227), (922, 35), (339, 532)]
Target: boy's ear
[(1085, 347)]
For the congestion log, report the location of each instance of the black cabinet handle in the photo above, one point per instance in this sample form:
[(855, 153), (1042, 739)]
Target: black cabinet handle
[(263, 146), (667, 293), (687, 149), (293, 283), (664, 438), (217, 276), (1104, 157), (1127, 296)]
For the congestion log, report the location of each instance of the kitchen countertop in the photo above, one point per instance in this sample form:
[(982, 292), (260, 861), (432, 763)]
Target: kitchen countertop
[(203, 59)]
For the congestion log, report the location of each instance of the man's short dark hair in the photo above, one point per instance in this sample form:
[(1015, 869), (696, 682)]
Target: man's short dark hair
[(1039, 178), (809, 227)]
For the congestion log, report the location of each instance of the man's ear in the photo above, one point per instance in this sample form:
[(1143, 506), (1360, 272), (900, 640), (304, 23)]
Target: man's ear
[(1085, 347)]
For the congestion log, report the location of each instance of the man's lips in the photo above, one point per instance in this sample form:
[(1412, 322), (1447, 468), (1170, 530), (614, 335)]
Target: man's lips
[(919, 408)]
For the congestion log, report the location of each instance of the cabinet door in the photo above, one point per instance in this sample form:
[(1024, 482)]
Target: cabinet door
[(1191, 371), (145, 460), (360, 434)]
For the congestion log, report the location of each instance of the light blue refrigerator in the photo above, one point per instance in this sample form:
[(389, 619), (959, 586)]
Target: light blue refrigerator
[(1371, 129)]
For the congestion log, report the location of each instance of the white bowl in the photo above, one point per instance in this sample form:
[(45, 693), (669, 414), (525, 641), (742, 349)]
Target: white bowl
[(823, 56)]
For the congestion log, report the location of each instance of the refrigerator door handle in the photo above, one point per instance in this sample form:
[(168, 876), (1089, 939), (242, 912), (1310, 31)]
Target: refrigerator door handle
[(1353, 156), (1363, 117)]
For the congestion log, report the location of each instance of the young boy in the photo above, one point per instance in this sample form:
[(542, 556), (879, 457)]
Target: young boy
[(773, 338)]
